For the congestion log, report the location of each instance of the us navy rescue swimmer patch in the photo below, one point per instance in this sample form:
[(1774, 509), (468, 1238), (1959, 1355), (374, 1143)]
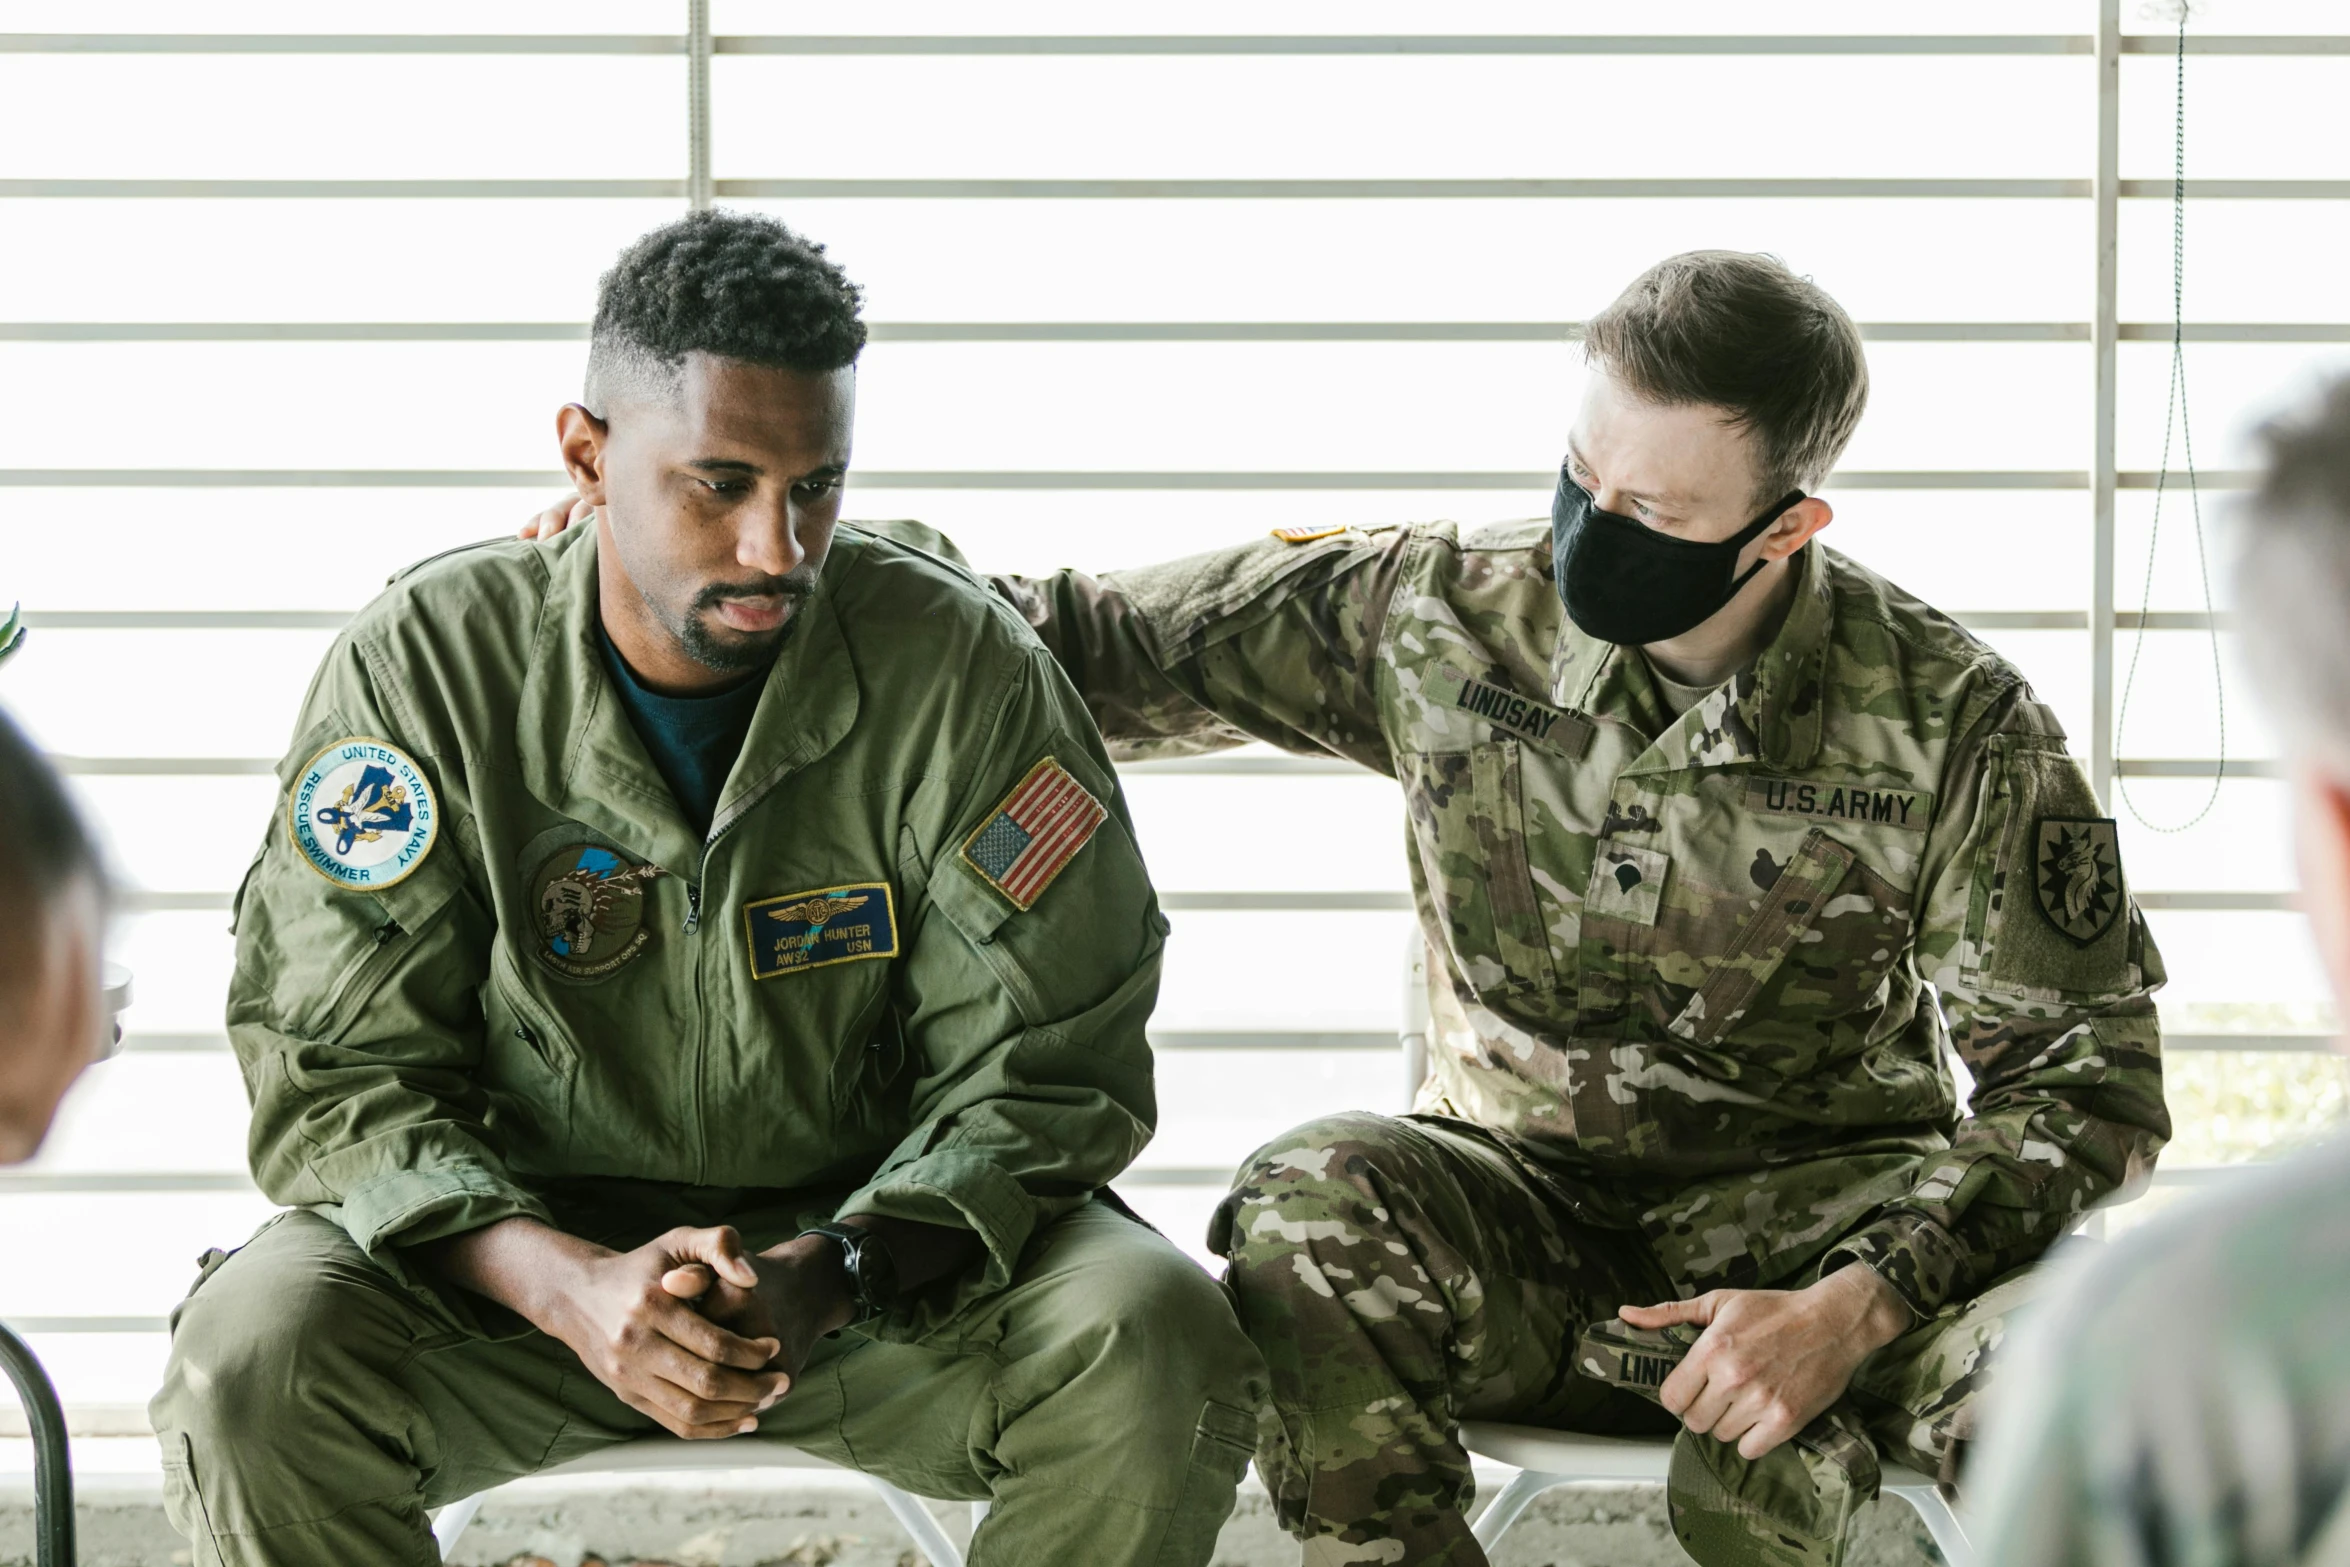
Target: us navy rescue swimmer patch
[(1906, 809), (1028, 839), (805, 930), (591, 908), (362, 815), (1567, 733), (2077, 875)]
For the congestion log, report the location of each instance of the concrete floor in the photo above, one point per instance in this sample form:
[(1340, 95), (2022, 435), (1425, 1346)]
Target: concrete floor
[(802, 1519)]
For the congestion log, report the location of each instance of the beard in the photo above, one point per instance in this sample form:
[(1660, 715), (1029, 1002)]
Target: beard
[(721, 649)]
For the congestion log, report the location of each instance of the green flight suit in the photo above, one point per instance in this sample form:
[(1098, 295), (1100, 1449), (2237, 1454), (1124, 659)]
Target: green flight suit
[(861, 995), (1687, 1039)]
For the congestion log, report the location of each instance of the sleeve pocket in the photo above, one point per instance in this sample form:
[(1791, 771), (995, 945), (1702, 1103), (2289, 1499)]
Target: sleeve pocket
[(2057, 918), (326, 949)]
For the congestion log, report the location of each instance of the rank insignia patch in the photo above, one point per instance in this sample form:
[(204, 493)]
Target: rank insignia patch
[(804, 930), (362, 815), (591, 909), (2077, 875), (1026, 841)]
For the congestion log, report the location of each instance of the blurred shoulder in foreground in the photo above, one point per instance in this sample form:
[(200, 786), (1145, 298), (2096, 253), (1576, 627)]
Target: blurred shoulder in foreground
[(2184, 1396)]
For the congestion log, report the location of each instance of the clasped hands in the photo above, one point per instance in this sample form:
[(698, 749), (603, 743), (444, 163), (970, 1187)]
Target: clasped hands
[(696, 1333), (1771, 1361), (687, 1328)]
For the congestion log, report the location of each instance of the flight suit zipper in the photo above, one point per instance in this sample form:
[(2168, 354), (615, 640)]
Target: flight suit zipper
[(693, 924)]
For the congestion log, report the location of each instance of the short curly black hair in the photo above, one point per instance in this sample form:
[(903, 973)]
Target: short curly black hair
[(733, 284)]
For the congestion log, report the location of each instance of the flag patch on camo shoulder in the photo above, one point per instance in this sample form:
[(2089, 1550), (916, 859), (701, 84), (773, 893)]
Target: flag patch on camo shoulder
[(1037, 830)]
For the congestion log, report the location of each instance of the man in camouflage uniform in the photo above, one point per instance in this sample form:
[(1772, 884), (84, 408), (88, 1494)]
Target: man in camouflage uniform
[(2184, 1398), (1688, 876), (1688, 896)]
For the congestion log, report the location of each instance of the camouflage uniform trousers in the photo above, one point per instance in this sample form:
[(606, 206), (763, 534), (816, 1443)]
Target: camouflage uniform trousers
[(1403, 1275)]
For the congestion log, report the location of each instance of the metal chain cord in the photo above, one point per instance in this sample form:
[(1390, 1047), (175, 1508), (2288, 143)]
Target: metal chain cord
[(2175, 416), (697, 104)]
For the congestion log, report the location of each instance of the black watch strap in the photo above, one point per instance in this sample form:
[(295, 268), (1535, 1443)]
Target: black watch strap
[(865, 1260)]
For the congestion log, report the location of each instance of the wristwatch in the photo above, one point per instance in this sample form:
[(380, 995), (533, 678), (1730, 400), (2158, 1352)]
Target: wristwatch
[(864, 1257)]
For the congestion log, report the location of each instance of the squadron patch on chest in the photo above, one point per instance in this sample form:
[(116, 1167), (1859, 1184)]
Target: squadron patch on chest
[(591, 910), (1908, 810), (1567, 733), (2077, 875), (805, 930), (362, 815), (1032, 836)]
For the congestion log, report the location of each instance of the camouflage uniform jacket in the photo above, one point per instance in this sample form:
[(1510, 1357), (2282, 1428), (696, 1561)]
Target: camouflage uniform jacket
[(1693, 953)]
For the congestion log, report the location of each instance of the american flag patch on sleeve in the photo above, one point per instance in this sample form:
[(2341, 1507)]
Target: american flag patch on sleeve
[(1026, 841)]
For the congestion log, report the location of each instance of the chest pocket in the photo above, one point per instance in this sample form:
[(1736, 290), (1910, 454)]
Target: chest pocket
[(1469, 826), (1818, 946)]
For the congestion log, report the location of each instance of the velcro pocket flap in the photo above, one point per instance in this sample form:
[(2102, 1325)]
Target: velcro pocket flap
[(1769, 934), (964, 896)]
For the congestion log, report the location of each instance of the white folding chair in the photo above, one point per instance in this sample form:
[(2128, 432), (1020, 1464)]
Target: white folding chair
[(669, 1454), (1545, 1459)]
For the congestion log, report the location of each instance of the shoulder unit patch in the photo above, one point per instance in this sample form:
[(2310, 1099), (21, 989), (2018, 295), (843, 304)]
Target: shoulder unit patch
[(1032, 836), (362, 814), (2077, 875)]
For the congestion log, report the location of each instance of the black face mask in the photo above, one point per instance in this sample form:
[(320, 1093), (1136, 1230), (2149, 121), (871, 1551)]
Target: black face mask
[(1628, 583)]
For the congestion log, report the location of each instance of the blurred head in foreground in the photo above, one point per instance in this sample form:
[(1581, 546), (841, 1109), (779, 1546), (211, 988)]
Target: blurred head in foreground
[(2293, 583), (52, 909), (2177, 1396)]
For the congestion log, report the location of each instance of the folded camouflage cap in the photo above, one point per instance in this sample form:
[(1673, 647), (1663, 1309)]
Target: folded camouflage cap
[(1789, 1508)]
